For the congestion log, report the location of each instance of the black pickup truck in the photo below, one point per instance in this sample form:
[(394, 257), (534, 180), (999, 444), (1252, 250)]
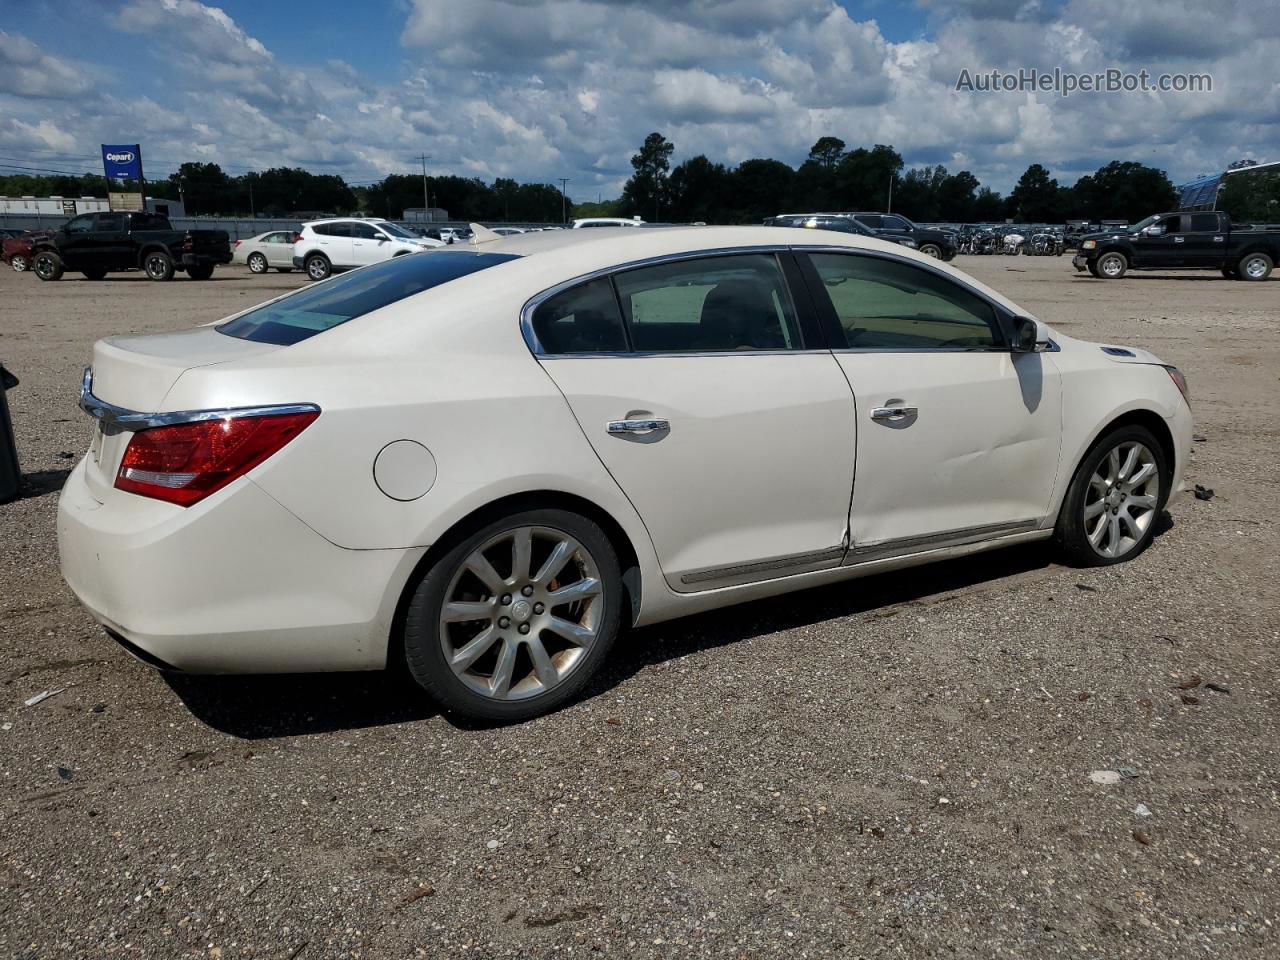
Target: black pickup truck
[(96, 244), (1206, 240), (939, 244)]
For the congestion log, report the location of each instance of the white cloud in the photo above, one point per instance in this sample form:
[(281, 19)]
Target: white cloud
[(536, 90)]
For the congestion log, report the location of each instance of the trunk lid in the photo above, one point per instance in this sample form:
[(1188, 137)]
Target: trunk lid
[(137, 373)]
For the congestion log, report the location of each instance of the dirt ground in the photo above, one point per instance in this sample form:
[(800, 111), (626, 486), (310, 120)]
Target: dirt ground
[(896, 766)]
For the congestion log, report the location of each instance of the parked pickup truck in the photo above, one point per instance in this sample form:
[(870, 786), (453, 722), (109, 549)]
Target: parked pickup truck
[(96, 244), (1181, 241)]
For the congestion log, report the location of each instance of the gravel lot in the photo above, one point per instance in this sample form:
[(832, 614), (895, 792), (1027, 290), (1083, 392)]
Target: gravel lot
[(895, 766)]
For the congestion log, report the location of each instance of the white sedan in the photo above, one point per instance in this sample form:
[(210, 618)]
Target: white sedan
[(482, 464), (265, 251)]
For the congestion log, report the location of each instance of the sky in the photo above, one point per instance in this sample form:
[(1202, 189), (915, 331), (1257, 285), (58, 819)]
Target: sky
[(570, 88)]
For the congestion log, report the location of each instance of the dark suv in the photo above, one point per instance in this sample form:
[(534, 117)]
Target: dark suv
[(934, 243), (842, 224)]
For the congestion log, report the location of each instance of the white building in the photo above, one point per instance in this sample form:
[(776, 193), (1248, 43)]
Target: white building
[(71, 206)]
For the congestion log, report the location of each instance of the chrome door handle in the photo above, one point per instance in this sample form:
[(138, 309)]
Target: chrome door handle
[(1179, 240), (893, 413), (639, 427)]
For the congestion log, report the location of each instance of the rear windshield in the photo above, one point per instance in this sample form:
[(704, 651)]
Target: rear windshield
[(342, 298)]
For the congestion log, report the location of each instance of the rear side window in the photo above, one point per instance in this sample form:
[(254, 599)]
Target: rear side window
[(333, 229), (339, 299), (886, 305), (584, 319), (1204, 222), (715, 304)]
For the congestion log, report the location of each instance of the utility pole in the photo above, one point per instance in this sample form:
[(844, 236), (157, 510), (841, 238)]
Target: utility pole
[(564, 208), (426, 201), (252, 215), (889, 206)]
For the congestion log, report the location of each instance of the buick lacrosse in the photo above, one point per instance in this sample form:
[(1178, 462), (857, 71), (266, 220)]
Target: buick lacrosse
[(481, 464)]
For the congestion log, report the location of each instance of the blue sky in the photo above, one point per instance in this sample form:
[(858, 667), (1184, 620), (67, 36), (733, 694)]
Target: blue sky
[(537, 91)]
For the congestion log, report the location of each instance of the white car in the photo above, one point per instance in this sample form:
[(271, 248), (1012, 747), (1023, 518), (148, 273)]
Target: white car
[(265, 251), (328, 246), (481, 463), (583, 222)]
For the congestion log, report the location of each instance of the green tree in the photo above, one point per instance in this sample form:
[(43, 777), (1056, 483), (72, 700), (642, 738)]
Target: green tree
[(646, 192), (759, 189), (827, 151), (862, 178), (1036, 198), (699, 190), (988, 206), (1124, 190)]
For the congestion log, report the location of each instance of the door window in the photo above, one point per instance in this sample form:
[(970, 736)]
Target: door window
[(1204, 223), (584, 319), (715, 304), (364, 231), (896, 223), (110, 223), (871, 221), (1171, 224), (883, 304), (81, 224)]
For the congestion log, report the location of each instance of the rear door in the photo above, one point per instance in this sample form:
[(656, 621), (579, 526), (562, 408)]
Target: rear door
[(708, 395), (1204, 243), (958, 437), (334, 241), (278, 248)]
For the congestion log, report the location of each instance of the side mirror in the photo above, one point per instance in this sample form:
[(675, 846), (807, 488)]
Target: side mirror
[(1155, 230), (1026, 336)]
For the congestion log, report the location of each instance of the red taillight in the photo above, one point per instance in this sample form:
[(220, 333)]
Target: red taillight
[(185, 463), (297, 238), (236, 244), (188, 242)]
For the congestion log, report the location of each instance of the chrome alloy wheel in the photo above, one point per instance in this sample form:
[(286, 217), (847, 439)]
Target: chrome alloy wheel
[(1111, 265), (521, 613), (19, 263), (155, 265), (1255, 268), (1120, 504)]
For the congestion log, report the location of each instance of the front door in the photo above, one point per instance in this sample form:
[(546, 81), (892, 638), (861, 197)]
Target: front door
[(278, 249), (716, 410), (368, 244), (958, 438), (76, 246), (1166, 248)]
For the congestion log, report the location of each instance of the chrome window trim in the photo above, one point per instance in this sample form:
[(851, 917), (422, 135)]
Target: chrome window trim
[(532, 304), (115, 418)]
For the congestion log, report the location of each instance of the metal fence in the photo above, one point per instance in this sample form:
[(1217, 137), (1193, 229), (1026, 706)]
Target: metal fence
[(239, 228)]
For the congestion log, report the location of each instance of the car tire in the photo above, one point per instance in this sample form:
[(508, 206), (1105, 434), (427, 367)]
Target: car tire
[(201, 271), (158, 266), (1254, 266), (1093, 270), (94, 274), (257, 263), (931, 250), (543, 667), (1090, 531), (1112, 266), (318, 267), (47, 265), (19, 263)]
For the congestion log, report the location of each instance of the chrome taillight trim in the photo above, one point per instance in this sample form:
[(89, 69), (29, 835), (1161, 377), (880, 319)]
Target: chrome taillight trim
[(121, 418)]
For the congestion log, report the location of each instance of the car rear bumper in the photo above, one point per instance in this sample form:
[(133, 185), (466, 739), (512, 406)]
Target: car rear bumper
[(235, 584)]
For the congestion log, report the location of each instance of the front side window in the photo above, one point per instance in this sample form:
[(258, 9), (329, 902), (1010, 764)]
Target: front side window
[(81, 224), (883, 304), (897, 223), (584, 319), (321, 307), (714, 304), (364, 231)]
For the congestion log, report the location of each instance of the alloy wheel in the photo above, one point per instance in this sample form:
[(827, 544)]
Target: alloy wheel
[(316, 269), (1120, 504), (258, 263), (45, 267), (19, 263), (155, 266), (1110, 266), (1255, 268), (521, 613)]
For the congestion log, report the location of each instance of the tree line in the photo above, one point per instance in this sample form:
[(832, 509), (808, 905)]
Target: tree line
[(207, 190), (833, 178)]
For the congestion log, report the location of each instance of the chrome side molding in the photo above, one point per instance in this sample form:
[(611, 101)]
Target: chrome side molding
[(116, 418)]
